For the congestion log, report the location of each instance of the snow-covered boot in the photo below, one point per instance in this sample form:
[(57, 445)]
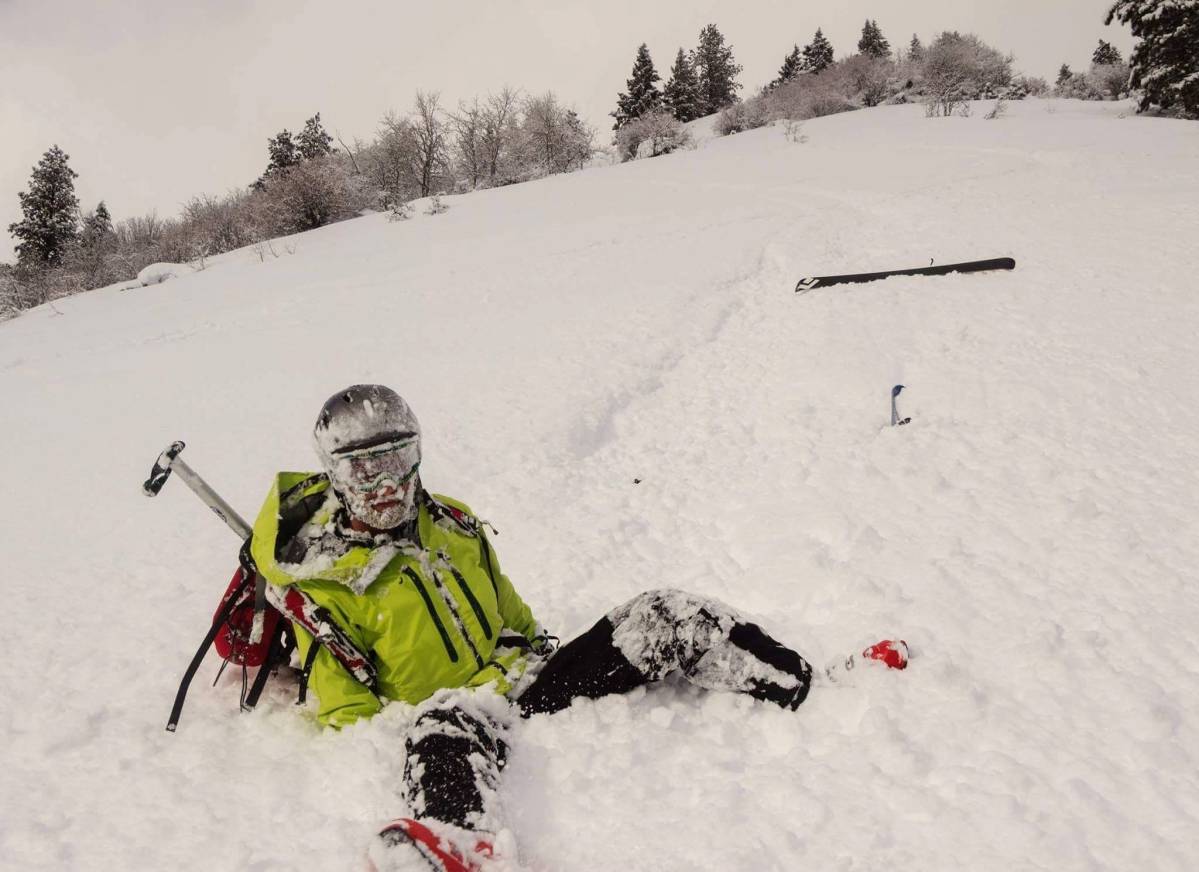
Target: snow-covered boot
[(407, 845), (892, 653)]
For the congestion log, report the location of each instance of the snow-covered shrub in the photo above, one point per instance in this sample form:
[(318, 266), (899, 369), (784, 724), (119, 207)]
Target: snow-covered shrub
[(552, 139), (650, 135), (1100, 82), (1030, 86), (1078, 86), (740, 117), (309, 195), (181, 242), (220, 224), (1111, 80), (958, 68), (400, 210), (140, 232), (853, 83), (10, 299), (25, 287), (436, 206), (810, 96), (821, 103), (793, 131), (865, 79)]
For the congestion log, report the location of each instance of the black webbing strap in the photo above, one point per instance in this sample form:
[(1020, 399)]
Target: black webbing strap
[(314, 648), (513, 640), (219, 621), (273, 652)]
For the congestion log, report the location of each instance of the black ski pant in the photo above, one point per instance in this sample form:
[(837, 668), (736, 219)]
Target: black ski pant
[(455, 756)]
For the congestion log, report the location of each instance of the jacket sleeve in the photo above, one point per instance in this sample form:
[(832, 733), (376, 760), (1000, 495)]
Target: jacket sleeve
[(342, 699), (517, 616)]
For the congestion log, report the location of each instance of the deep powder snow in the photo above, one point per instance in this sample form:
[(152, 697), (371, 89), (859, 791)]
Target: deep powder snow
[(1033, 532)]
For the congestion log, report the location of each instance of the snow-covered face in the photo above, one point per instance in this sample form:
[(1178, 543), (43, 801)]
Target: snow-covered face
[(378, 484)]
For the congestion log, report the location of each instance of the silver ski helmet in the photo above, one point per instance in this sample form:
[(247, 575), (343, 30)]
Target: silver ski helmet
[(368, 441)]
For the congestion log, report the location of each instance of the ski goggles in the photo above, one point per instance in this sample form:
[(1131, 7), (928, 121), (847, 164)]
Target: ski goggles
[(369, 469)]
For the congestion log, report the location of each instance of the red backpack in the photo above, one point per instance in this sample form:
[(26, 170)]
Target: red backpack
[(253, 627)]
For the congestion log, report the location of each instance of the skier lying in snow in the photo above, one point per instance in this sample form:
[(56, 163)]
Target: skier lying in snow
[(412, 578)]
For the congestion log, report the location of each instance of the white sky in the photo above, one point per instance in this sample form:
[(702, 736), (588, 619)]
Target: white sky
[(158, 100)]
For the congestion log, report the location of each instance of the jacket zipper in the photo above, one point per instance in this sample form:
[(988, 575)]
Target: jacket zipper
[(448, 598), (445, 637), (470, 598)]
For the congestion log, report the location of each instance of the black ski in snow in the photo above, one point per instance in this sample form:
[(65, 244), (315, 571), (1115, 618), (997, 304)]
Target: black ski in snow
[(812, 282)]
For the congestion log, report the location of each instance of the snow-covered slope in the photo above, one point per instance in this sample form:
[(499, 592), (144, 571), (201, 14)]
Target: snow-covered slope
[(1033, 533)]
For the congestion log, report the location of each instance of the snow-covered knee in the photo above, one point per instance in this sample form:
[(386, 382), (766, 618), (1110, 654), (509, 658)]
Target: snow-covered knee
[(710, 643), (666, 629), (663, 605)]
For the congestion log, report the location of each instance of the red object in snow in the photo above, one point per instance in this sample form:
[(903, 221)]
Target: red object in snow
[(892, 652), (436, 850), (233, 640)]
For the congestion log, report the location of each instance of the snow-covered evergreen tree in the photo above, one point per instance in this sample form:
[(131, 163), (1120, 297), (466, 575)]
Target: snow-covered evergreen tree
[(1064, 74), (313, 140), (873, 42), (51, 212), (681, 94), (97, 226), (284, 154), (578, 145), (641, 95), (792, 67), (818, 54), (1106, 53), (89, 261), (287, 151), (715, 71), (916, 49), (98, 222), (1165, 63)]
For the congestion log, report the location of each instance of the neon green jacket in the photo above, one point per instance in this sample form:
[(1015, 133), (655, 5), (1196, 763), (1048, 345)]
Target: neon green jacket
[(430, 615)]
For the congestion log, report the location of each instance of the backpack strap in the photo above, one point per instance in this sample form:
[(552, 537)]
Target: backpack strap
[(444, 513), (313, 650), (301, 609), (466, 524), (247, 564), (278, 652), (317, 621), (217, 622)]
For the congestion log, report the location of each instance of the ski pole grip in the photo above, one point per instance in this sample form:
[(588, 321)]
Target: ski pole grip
[(162, 469)]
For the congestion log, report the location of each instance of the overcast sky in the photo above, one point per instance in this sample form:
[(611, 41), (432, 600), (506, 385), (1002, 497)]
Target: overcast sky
[(158, 100)]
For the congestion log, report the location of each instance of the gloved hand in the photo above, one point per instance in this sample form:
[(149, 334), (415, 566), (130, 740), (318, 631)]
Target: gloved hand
[(544, 644)]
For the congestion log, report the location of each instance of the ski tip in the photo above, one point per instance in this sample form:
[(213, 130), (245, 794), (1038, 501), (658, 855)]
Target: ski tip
[(895, 390)]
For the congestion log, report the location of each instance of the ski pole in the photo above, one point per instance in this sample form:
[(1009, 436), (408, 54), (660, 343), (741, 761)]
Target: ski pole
[(896, 421), (168, 462)]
